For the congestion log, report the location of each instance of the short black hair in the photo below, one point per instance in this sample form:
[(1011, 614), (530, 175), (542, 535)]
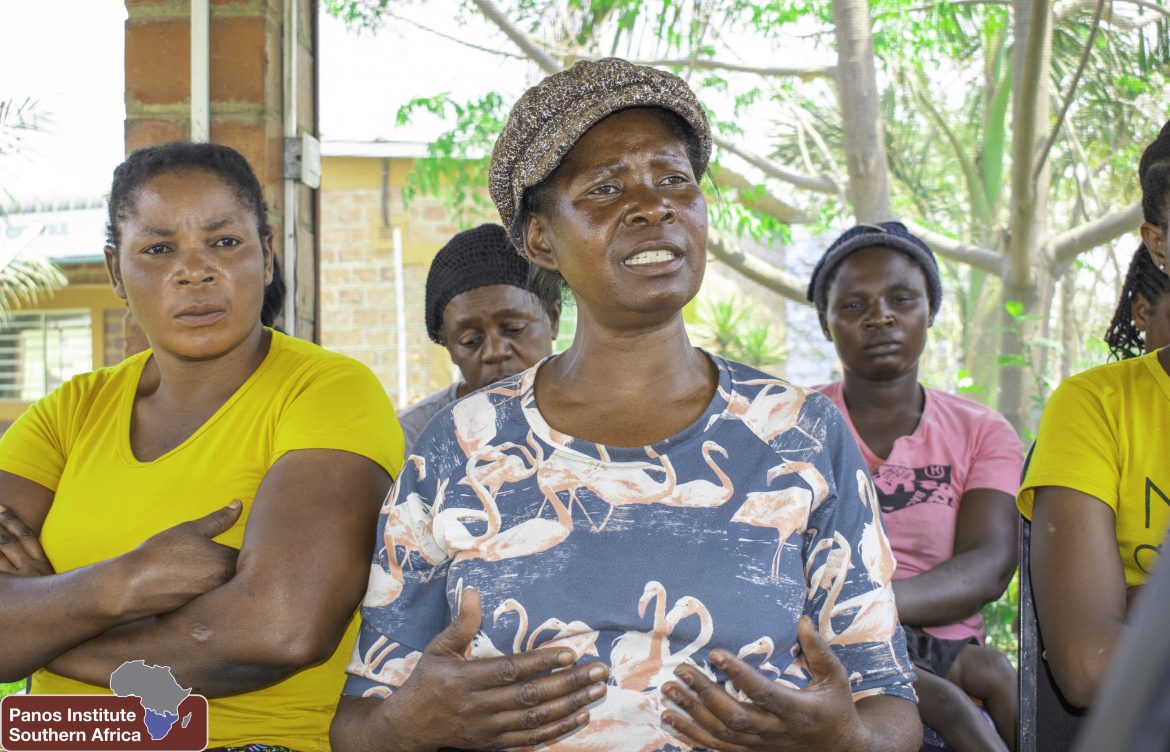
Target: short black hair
[(1143, 278), (274, 295), (548, 284), (144, 165)]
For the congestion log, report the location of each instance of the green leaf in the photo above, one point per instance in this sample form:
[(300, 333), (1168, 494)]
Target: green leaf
[(995, 137), (1014, 308)]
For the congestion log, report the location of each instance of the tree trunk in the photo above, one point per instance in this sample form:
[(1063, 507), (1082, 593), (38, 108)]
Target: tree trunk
[(857, 91), (1027, 257)]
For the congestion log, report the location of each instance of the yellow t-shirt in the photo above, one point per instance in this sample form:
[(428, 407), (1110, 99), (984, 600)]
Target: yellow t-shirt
[(76, 441), (1101, 435)]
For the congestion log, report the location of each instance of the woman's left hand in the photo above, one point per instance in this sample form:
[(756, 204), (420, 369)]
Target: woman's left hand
[(821, 716)]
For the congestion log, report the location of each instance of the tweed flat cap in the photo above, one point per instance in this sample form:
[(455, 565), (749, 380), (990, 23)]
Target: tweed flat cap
[(887, 235), (549, 119)]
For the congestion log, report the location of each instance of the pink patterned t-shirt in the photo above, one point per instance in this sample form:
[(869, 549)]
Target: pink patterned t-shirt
[(958, 445)]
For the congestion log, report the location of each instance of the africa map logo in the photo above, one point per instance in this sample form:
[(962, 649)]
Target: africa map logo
[(156, 688), (148, 710)]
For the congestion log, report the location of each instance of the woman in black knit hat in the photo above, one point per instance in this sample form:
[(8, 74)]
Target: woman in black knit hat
[(946, 470), (634, 545), (482, 305)]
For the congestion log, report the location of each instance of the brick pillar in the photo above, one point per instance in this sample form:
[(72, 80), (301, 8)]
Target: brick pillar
[(247, 102)]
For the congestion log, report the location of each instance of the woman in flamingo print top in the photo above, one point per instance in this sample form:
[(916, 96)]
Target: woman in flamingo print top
[(634, 545)]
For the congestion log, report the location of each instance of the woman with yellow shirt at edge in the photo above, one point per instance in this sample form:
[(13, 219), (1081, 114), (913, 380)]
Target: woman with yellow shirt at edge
[(1097, 485), (205, 505)]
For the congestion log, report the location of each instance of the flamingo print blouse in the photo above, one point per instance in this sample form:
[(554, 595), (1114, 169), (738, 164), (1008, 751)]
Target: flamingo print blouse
[(721, 536)]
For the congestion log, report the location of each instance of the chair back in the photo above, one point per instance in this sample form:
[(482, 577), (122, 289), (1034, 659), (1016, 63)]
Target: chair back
[(1048, 723)]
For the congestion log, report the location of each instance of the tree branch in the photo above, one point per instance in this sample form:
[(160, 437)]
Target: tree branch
[(805, 73), (526, 44), (1066, 9), (1029, 105), (549, 65), (456, 40), (934, 6), (956, 250), (765, 204), (819, 184), (758, 270), (1072, 88), (861, 120), (1068, 245)]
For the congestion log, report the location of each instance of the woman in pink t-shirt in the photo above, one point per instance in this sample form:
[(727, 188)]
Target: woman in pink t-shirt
[(946, 470)]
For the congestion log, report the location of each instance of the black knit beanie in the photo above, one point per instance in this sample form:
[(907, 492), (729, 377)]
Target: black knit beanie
[(474, 258), (886, 235)]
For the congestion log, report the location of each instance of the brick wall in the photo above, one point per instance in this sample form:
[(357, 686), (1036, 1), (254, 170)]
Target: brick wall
[(361, 204)]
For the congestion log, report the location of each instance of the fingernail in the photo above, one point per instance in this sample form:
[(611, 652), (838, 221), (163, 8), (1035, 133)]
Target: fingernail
[(565, 657), (235, 504), (671, 693), (3, 509), (596, 691), (718, 659), (668, 720), (686, 679), (597, 673), (583, 718)]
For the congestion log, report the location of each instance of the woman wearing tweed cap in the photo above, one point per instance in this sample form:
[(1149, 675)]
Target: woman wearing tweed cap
[(634, 545)]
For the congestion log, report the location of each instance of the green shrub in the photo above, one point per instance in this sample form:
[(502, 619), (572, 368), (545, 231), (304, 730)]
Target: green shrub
[(1001, 623), (11, 687)]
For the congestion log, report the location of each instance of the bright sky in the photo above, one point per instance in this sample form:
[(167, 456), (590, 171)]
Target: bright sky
[(67, 55)]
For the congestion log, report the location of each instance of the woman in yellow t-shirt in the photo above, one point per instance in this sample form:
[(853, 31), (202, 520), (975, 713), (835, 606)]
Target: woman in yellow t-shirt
[(206, 505), (1098, 488)]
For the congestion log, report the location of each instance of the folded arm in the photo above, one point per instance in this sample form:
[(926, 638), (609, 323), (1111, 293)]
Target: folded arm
[(301, 572), (43, 614), (977, 573)]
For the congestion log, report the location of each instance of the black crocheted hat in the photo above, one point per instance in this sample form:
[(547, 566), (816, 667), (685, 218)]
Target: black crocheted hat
[(886, 235), (474, 258)]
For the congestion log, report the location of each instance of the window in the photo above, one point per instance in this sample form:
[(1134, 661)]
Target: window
[(40, 350)]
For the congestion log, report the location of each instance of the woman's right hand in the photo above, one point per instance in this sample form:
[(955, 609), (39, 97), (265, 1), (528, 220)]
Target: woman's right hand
[(20, 550), (490, 703), (179, 564)]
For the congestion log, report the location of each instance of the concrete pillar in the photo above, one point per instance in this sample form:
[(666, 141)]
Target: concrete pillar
[(247, 103)]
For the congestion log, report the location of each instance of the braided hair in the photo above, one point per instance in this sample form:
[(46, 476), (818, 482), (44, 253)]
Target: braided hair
[(1144, 278)]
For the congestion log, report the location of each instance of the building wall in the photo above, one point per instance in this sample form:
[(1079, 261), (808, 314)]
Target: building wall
[(89, 290), (361, 206)]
